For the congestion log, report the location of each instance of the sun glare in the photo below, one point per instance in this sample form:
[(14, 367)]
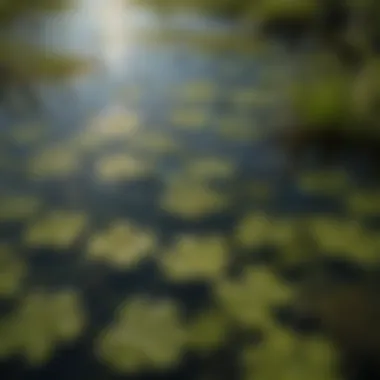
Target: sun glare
[(110, 20)]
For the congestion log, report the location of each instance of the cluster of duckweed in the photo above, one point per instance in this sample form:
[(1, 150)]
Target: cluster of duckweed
[(284, 356), (146, 334), (208, 331), (122, 244), (191, 199), (335, 237), (272, 9), (209, 168), (253, 230), (55, 162), (326, 101), (18, 207), (346, 239), (41, 322), (120, 166), (248, 300), (12, 271), (112, 124), (58, 229), (324, 182), (363, 202), (194, 257), (154, 142)]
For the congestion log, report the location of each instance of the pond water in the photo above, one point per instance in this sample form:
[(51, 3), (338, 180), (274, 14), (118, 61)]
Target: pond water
[(147, 227)]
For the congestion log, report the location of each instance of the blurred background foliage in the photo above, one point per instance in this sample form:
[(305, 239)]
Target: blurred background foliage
[(345, 35), (22, 64)]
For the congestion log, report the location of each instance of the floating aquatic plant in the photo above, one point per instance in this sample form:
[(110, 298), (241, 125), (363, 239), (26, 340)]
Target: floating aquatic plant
[(112, 124), (208, 331), (330, 182), (121, 167), (192, 199), (12, 272), (123, 245), (146, 334), (249, 299), (40, 323), (56, 229), (196, 258), (55, 162), (346, 239), (253, 230), (361, 203), (155, 143), (204, 169), (283, 355), (18, 207)]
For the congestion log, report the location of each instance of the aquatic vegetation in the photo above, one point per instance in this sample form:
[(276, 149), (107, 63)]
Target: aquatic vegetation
[(209, 168), (146, 334), (330, 182), (57, 229), (14, 208), (283, 355), (361, 203), (112, 124), (119, 167), (192, 199), (12, 272), (40, 323), (195, 257), (190, 118), (297, 250), (123, 245), (273, 10), (284, 231), (253, 230), (55, 162), (347, 239), (29, 63), (324, 101), (153, 142), (249, 299), (208, 331)]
